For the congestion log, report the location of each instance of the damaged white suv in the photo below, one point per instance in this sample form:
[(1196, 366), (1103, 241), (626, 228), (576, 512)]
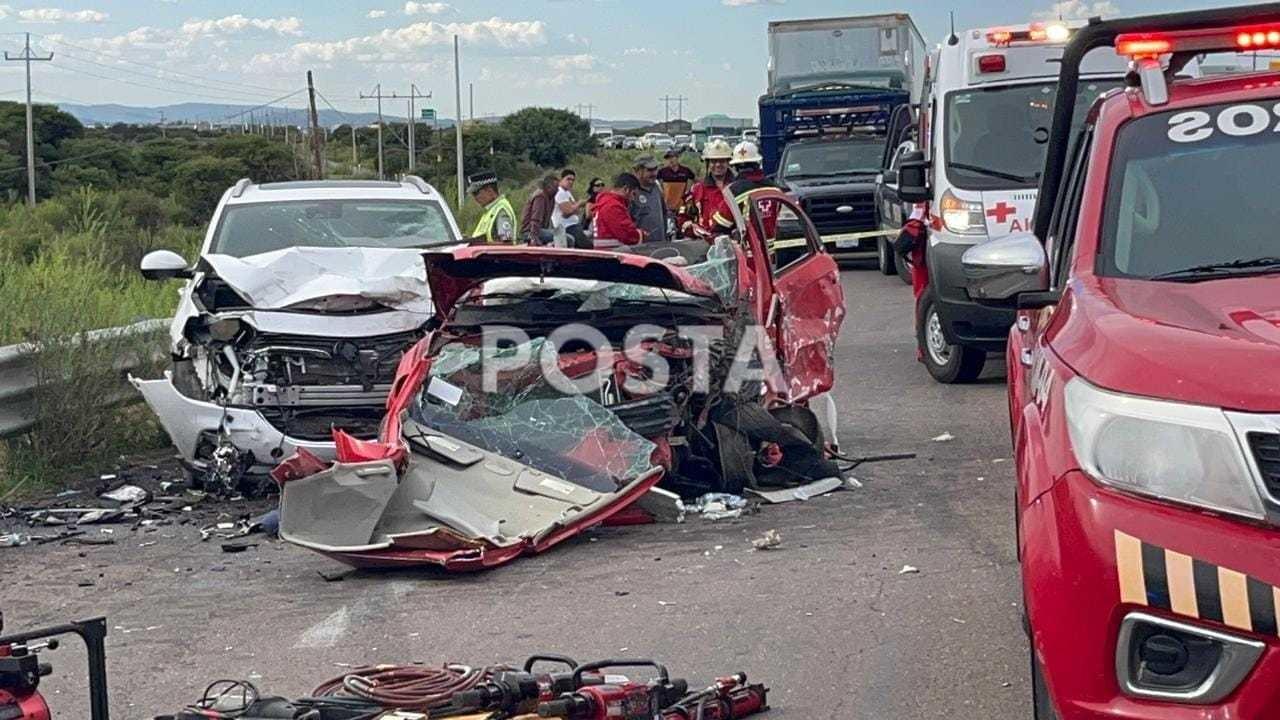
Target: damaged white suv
[(293, 319)]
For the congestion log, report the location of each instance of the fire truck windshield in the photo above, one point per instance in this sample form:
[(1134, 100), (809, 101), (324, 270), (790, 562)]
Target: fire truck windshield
[(995, 136), (1187, 197)]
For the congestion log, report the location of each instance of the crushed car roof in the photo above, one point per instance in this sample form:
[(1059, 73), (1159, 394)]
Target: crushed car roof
[(452, 273)]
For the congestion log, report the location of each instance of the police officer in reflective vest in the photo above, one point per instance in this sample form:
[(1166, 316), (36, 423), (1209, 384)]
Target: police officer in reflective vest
[(498, 224), (750, 179)]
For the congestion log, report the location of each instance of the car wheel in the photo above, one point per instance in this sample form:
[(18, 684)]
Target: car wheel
[(884, 257), (947, 363), (1041, 704), (904, 269)]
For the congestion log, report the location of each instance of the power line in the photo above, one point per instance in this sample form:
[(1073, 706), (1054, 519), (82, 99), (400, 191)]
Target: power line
[(59, 161), (187, 83), (170, 71), (171, 91), (269, 103)]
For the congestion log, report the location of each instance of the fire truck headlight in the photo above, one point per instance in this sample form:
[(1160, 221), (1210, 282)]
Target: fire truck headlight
[(962, 217), (1172, 451)]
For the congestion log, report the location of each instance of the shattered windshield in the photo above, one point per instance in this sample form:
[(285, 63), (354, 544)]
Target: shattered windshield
[(515, 411), (255, 228)]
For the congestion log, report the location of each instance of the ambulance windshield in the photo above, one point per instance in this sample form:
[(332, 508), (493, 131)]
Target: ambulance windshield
[(996, 136)]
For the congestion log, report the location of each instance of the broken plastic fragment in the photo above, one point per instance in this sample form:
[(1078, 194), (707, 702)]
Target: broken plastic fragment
[(768, 541)]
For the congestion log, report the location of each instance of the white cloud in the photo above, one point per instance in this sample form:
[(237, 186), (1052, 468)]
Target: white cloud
[(376, 13), (425, 8), (393, 44), (631, 52), (1078, 10), (57, 15), (236, 23), (747, 3), (572, 62)]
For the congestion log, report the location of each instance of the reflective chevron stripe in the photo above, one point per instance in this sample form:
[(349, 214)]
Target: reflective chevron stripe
[(1162, 578)]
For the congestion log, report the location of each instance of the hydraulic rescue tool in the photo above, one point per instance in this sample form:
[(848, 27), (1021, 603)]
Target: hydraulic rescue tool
[(21, 669), (729, 698), (623, 700), (516, 692)]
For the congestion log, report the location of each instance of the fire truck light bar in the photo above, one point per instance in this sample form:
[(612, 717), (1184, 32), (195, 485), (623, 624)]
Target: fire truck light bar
[(1138, 45)]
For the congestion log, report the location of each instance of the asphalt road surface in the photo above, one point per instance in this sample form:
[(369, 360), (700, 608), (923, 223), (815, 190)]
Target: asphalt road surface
[(827, 620)]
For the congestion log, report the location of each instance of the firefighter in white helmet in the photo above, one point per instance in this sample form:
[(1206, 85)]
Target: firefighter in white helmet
[(749, 179), (706, 199)]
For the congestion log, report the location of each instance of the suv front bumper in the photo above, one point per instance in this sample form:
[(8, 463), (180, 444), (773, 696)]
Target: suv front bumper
[(1092, 557), (187, 421)]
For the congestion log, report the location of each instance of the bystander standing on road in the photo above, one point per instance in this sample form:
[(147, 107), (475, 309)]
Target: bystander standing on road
[(676, 179), (565, 214), (614, 226), (535, 220), (589, 213), (649, 210)]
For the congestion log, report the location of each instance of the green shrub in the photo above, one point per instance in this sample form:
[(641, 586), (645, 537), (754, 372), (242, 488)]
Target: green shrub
[(200, 183)]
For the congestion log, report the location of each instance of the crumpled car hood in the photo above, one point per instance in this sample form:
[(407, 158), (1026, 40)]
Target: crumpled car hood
[(286, 278), (451, 273)]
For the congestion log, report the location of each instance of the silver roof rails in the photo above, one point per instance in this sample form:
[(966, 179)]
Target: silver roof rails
[(238, 189), (417, 182)]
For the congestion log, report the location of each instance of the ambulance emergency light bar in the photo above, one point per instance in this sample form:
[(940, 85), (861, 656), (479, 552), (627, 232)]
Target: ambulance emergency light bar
[(1038, 32), (1181, 34)]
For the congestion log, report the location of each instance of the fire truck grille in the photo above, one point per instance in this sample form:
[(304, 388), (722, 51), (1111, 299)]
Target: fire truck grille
[(1266, 450)]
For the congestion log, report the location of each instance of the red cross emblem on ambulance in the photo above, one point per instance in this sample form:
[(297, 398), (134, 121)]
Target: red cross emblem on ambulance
[(1001, 212)]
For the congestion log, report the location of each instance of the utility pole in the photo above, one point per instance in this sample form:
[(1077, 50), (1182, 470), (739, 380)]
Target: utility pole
[(377, 93), (457, 93), (355, 159), (413, 125), (410, 139), (317, 141), (666, 102), (28, 58), (471, 92), (162, 133)]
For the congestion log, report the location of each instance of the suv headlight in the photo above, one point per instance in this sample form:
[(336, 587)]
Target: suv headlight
[(962, 217), (1184, 453)]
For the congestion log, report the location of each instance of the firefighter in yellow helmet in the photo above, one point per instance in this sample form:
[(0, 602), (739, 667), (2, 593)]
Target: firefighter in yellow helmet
[(498, 223), (749, 178), (697, 217)]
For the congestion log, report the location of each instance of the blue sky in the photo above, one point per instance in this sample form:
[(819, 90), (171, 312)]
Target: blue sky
[(619, 55)]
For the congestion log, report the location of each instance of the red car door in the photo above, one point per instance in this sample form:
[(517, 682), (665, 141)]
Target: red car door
[(806, 306)]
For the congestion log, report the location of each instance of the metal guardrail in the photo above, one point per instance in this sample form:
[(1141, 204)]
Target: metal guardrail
[(18, 374)]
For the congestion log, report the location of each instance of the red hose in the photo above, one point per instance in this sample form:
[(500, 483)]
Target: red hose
[(405, 687)]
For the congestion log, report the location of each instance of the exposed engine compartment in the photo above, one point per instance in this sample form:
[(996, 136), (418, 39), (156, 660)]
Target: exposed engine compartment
[(305, 386)]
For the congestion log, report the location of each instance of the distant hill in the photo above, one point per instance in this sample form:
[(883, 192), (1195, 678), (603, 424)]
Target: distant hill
[(218, 114)]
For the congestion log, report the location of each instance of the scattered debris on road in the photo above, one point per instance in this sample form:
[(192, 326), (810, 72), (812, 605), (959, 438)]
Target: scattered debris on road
[(909, 570), (771, 539), (944, 437)]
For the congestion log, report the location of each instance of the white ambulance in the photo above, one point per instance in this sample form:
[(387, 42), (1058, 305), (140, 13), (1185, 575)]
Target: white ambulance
[(983, 129)]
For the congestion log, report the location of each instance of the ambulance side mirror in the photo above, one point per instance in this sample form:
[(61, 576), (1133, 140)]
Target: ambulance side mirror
[(913, 178)]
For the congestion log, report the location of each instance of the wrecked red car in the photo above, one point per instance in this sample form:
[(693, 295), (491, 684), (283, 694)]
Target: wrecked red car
[(556, 387)]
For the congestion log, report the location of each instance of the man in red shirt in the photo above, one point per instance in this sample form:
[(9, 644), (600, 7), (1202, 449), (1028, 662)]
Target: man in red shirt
[(614, 226)]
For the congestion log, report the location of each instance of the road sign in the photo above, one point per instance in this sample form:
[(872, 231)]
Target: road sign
[(428, 113)]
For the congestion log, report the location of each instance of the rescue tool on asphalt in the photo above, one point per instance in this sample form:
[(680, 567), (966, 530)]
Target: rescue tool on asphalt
[(1142, 380)]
